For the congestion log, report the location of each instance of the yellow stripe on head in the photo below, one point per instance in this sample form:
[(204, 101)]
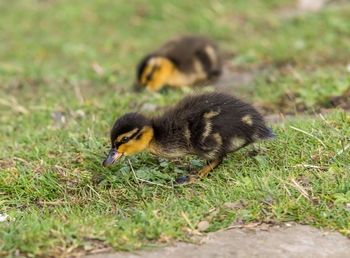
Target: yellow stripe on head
[(127, 134), (137, 143)]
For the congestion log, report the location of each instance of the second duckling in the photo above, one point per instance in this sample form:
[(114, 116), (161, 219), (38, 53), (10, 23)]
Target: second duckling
[(182, 61), (209, 125)]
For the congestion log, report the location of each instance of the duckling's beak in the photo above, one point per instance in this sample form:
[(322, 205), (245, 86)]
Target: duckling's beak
[(112, 157)]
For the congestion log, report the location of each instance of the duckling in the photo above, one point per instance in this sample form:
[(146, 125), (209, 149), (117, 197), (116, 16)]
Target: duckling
[(209, 125), (182, 61)]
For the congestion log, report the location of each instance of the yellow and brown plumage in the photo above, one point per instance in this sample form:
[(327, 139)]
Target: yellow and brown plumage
[(183, 61), (209, 125)]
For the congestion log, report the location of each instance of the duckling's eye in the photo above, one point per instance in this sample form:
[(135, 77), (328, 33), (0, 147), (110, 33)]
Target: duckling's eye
[(125, 139), (149, 76)]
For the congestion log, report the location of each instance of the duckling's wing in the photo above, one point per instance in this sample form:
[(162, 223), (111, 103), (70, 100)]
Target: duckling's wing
[(186, 46), (210, 60), (182, 51)]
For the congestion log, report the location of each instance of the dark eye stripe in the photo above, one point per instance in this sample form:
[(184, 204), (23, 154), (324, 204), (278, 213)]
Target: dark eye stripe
[(117, 144), (132, 136), (149, 76)]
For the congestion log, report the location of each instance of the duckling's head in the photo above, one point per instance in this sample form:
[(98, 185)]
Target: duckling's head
[(130, 134), (154, 72)]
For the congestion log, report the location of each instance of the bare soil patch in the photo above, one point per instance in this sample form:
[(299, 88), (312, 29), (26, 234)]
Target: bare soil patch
[(276, 241)]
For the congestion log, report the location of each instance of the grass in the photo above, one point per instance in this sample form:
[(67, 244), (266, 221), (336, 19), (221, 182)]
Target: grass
[(56, 112)]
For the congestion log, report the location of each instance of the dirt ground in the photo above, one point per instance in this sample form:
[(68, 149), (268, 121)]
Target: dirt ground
[(292, 241)]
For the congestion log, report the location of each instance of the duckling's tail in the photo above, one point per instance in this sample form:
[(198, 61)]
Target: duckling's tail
[(267, 134)]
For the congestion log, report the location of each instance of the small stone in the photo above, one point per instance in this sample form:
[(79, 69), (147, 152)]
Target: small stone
[(203, 225), (244, 202), (97, 68), (214, 213), (305, 180), (233, 205), (264, 227), (88, 247), (347, 206), (269, 200), (311, 5), (148, 107), (3, 217), (79, 113), (58, 118)]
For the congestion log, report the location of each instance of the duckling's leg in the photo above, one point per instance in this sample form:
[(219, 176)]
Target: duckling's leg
[(203, 172), (185, 180)]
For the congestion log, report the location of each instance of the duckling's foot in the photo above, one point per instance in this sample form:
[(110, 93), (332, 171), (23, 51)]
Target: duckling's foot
[(181, 180), (184, 180)]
